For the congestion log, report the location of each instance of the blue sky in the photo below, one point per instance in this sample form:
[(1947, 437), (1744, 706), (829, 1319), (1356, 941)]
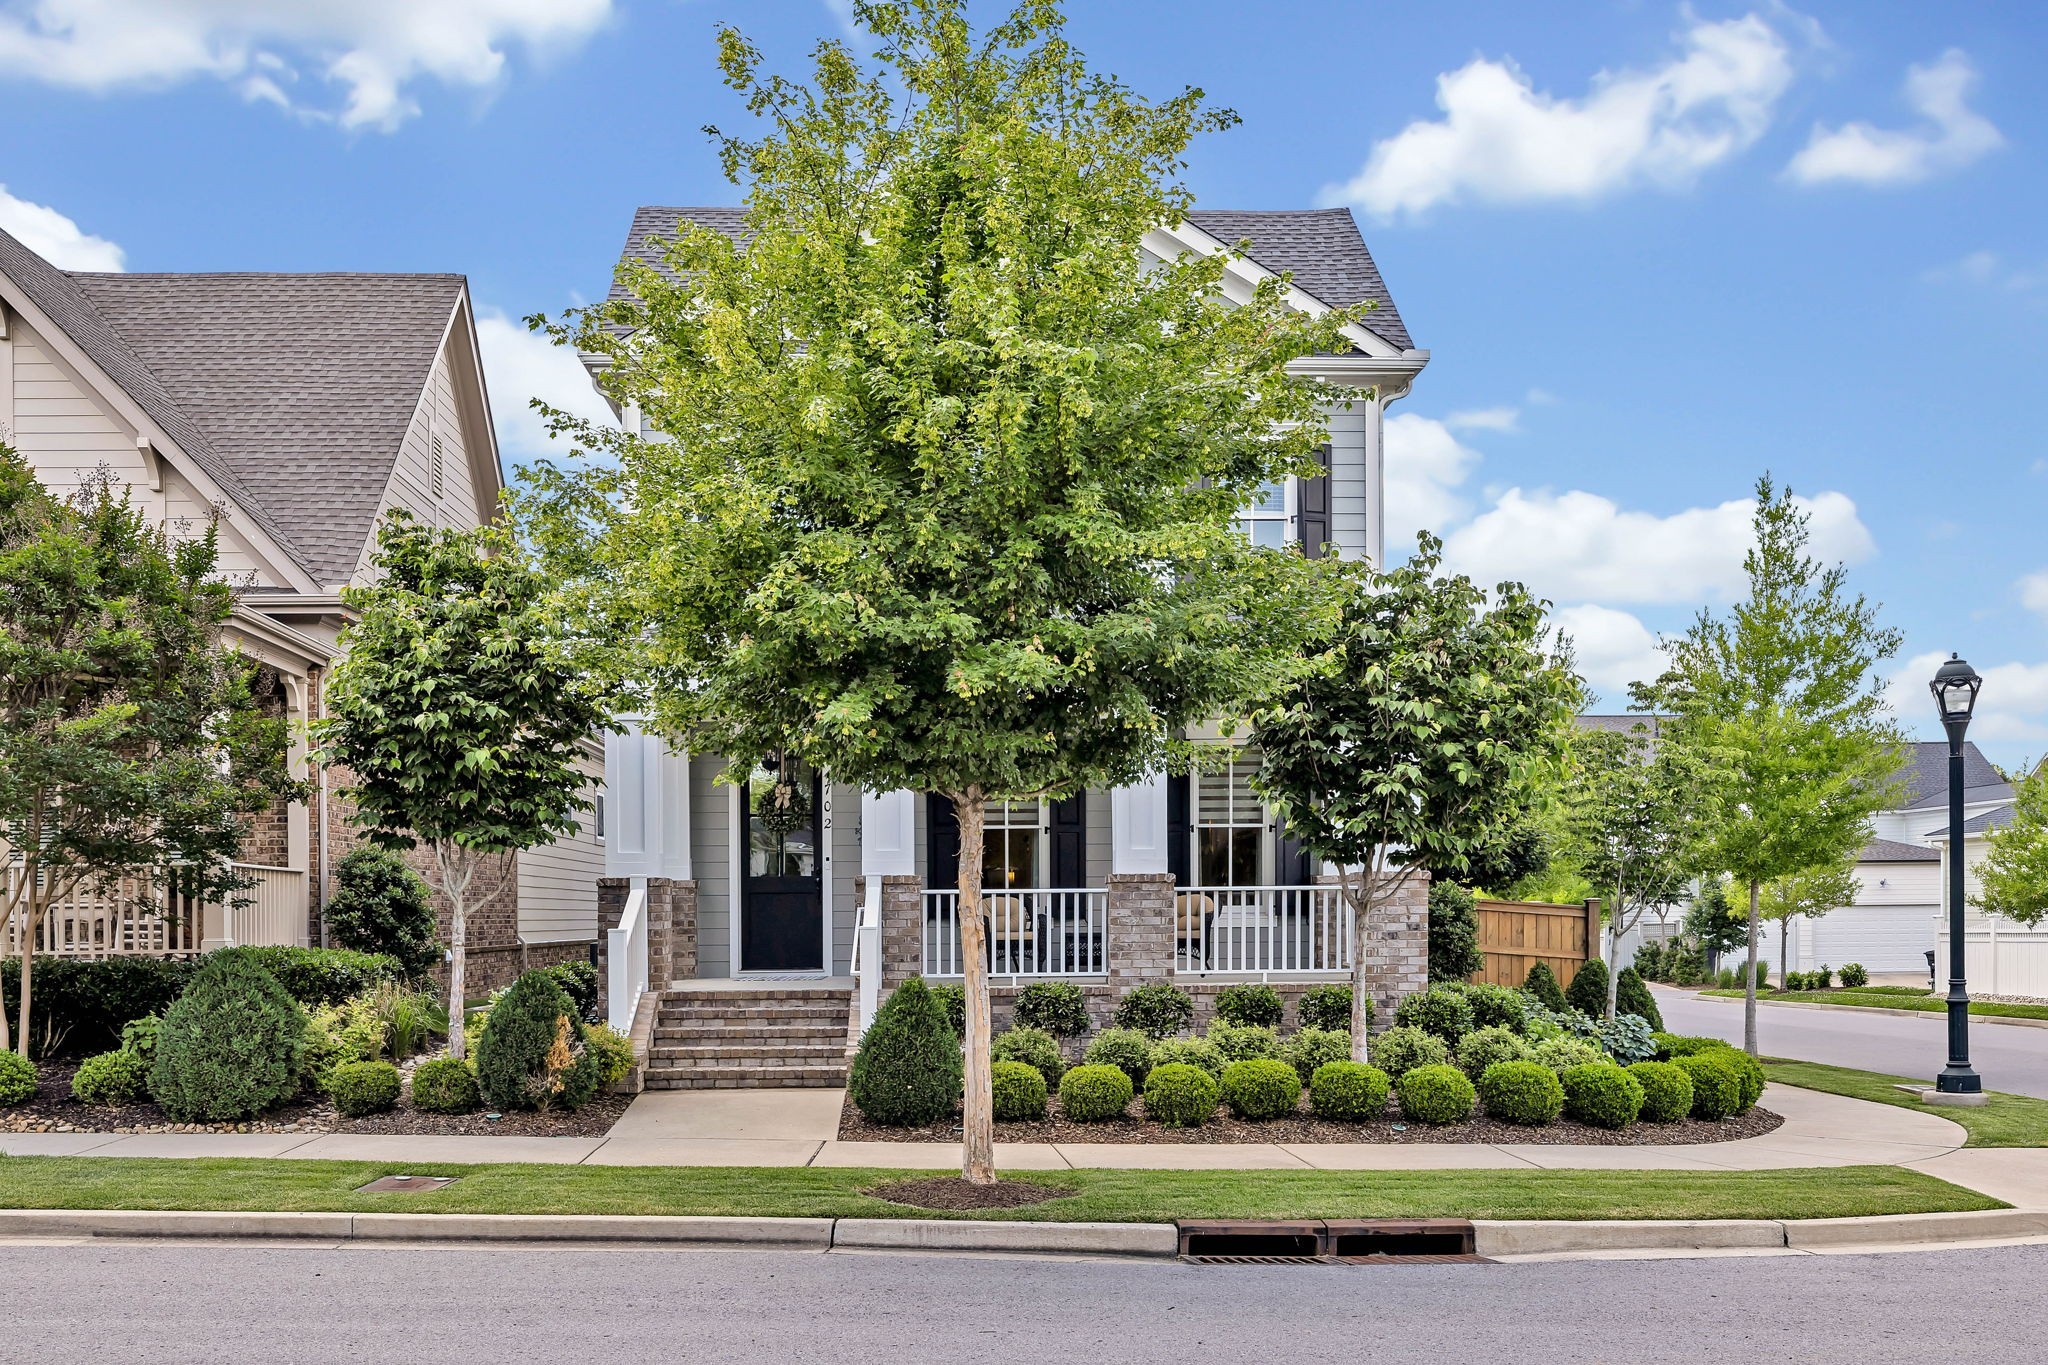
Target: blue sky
[(1653, 250)]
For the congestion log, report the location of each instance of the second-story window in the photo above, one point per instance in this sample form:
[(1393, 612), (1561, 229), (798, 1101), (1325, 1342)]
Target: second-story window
[(1230, 824), (1264, 521)]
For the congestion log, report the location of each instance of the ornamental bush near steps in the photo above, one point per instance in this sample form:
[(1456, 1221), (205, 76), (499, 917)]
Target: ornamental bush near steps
[(1436, 1095), (1603, 1095), (531, 1054), (1521, 1092), (1180, 1096), (111, 1078), (1311, 1048), (1031, 1046), (1400, 1050), (1261, 1088), (1125, 1049), (906, 1072), (1667, 1091), (17, 1079), (1095, 1094), (1250, 1004), (1350, 1092), (1019, 1092)]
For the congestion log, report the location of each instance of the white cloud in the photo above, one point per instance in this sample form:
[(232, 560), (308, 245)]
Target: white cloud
[(1987, 269), (1612, 649), (1541, 398), (373, 50), (1425, 464), (1502, 141), (1485, 419), (56, 238), (2034, 592), (1951, 135), (1579, 546), (520, 366)]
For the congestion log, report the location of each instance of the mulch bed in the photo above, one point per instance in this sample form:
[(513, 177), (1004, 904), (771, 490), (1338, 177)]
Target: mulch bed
[(54, 1111), (1304, 1126), (951, 1192)]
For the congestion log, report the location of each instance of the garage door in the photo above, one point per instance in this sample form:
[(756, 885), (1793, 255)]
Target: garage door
[(1892, 938)]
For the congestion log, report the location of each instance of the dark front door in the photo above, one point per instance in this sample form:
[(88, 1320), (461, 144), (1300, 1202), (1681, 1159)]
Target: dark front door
[(782, 900)]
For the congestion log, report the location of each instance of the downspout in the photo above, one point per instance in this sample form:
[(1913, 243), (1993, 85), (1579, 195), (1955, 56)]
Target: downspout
[(321, 692)]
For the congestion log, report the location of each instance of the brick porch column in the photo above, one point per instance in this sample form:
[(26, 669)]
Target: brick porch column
[(671, 930), (1397, 948), (902, 929), (1139, 937)]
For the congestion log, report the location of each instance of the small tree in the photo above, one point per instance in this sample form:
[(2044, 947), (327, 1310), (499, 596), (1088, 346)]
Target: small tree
[(1410, 738), (132, 745), (2013, 879), (460, 723), (380, 905), (1784, 694), (1804, 895)]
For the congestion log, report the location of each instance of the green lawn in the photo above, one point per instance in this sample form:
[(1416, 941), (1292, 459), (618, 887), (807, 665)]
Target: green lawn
[(1895, 998), (1102, 1195), (2004, 1121)]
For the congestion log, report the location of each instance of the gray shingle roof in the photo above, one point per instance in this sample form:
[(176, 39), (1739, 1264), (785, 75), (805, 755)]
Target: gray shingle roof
[(1322, 247), (1892, 851), (292, 392), (1621, 724), (1979, 824), (1924, 775)]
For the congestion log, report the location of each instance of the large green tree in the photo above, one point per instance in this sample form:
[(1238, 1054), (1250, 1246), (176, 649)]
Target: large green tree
[(132, 745), (1411, 741), (1784, 692), (457, 714), (2013, 878), (945, 465)]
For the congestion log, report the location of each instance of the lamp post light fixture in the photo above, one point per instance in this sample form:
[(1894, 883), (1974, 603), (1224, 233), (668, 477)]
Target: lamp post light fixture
[(1955, 686)]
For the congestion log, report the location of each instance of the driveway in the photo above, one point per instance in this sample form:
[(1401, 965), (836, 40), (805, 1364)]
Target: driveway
[(2008, 1057)]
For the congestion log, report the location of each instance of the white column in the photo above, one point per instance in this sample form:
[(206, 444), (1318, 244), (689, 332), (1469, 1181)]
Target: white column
[(1375, 481), (888, 835), (1137, 826), (675, 813), (647, 806)]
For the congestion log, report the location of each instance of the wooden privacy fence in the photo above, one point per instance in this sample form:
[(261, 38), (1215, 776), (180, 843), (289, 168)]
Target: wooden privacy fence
[(1516, 935)]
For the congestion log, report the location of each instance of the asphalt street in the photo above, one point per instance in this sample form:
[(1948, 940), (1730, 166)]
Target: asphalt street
[(2007, 1057), (146, 1303)]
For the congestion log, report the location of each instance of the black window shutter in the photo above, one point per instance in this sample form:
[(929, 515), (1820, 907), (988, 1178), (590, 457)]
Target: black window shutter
[(942, 842), (1180, 828), (1070, 841), (1314, 508)]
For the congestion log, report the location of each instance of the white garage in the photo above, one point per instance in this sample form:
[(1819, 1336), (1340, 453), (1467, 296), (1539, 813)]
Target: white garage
[(1892, 924)]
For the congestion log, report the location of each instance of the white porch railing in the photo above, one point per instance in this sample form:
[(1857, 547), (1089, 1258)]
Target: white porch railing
[(626, 960), (1261, 930), (137, 919), (274, 911), (867, 954), (1032, 932)]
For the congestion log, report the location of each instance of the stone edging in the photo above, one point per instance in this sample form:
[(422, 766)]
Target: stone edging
[(1495, 1238), (1874, 1009)]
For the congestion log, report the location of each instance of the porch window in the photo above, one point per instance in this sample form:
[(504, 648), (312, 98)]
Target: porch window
[(1231, 845), (1012, 839), (1264, 521), (782, 828)]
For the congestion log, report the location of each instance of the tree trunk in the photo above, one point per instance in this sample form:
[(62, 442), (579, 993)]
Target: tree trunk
[(28, 957), (456, 865), (977, 1110), (1749, 983), (1361, 925), (1784, 948), (1614, 933)]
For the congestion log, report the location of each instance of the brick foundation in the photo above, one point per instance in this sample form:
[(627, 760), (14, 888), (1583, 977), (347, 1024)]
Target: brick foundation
[(671, 930)]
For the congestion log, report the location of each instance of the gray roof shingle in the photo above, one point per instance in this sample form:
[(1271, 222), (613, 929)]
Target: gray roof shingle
[(1892, 851), (1924, 775), (1979, 824)]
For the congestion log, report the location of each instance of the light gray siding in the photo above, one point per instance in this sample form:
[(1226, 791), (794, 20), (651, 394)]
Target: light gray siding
[(558, 881), (845, 868), (711, 862), (1348, 491), (1097, 811)]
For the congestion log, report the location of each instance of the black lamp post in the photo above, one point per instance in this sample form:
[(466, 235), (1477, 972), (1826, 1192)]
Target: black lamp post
[(1955, 688)]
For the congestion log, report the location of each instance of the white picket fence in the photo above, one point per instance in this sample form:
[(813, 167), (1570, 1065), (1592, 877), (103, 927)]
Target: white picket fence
[(140, 919), (1999, 957)]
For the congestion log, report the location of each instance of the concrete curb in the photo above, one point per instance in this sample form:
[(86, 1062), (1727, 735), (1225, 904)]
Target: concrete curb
[(1876, 1009), (1046, 1239), (1544, 1237)]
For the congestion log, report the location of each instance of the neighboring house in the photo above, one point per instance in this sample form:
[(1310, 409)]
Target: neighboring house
[(1177, 877), (299, 408)]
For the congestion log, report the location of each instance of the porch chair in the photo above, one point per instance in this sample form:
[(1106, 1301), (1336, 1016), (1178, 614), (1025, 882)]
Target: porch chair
[(1193, 914), (1011, 929)]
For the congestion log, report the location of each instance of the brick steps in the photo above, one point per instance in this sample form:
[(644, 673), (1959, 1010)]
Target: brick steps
[(770, 1037)]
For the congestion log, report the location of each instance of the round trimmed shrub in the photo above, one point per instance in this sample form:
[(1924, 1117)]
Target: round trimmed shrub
[(1541, 982), (111, 1078), (1716, 1088), (613, 1050), (1031, 1046), (1126, 1049), (1485, 1047), (1019, 1089), (444, 1086), (1328, 1007), (1749, 1073), (532, 1054), (381, 906), (1667, 1091), (1671, 1046), (953, 1000), (1588, 991), (1261, 1088), (1244, 1042), (1562, 1054), (1310, 1048), (1349, 1091), (1156, 1009), (1527, 1093), (1058, 1007), (1399, 1051), (1436, 1095), (1602, 1094), (1441, 1010), (1095, 1094), (1496, 1006), (232, 1046), (1250, 1004), (361, 1088), (17, 1079), (907, 1070), (1180, 1096), (1632, 996), (1198, 1052)]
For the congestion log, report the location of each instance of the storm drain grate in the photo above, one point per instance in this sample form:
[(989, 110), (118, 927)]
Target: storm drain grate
[(1346, 1241), (406, 1184)]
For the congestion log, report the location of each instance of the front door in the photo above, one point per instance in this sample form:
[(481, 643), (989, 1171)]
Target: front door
[(782, 900)]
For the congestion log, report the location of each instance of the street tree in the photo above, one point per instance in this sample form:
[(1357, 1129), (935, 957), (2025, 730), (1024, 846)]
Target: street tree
[(457, 715), (1806, 894), (1412, 738), (945, 470), (1784, 692), (134, 744), (2013, 877)]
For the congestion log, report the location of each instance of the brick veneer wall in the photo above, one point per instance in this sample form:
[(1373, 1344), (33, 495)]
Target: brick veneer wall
[(671, 930)]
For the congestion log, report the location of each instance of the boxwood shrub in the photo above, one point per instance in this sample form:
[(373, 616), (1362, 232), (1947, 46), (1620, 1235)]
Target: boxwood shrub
[(1495, 1006), (1310, 1048), (1672, 1046), (361, 1088), (906, 1072), (1191, 1051), (1484, 1047), (1125, 1049), (953, 1000), (1521, 1092), (1031, 1046), (1261, 1088), (1602, 1094), (1667, 1091), (444, 1086), (1179, 1095), (1156, 1009), (1058, 1007), (1351, 1092), (231, 1047), (1435, 1095), (1541, 982), (1328, 1007), (1095, 1094), (1716, 1088), (1250, 1004), (111, 1078), (1244, 1042), (17, 1079), (1019, 1090), (84, 1003), (1749, 1073), (319, 976), (1400, 1050), (613, 1050), (1441, 1010), (513, 1069), (1562, 1054)]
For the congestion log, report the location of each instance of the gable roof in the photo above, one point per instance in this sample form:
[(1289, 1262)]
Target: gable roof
[(1323, 248), (1924, 775), (1892, 851), (291, 392), (1997, 818)]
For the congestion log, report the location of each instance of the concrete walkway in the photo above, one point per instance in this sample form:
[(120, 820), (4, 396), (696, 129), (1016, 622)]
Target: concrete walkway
[(797, 1128)]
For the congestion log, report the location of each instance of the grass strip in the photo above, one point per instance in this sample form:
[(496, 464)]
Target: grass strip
[(2003, 1121), (1879, 998), (1101, 1195)]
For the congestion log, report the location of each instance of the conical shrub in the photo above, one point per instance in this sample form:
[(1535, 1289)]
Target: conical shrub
[(1632, 996), (230, 1047), (1541, 982), (907, 1071), (532, 1053), (1588, 991)]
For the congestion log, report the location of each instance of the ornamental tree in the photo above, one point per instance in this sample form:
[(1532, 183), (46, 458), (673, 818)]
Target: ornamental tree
[(942, 490), (2013, 878), (458, 718), (1807, 894), (133, 746), (1784, 693), (1409, 742)]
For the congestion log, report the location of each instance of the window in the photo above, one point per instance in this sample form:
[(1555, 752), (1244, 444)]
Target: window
[(782, 825), (597, 818), (1010, 843), (1265, 520), (1230, 825)]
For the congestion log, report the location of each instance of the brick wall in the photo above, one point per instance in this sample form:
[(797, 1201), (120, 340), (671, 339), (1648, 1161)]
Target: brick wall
[(671, 930)]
